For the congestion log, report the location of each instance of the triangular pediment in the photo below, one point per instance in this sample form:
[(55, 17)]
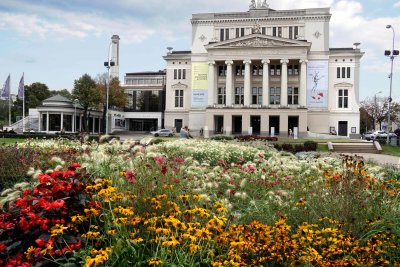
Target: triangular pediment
[(179, 85), (258, 40)]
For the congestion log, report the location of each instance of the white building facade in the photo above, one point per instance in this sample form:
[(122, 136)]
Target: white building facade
[(263, 72)]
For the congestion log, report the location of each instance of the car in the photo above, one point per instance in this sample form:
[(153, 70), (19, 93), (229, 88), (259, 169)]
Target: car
[(380, 134), (369, 136), (162, 132)]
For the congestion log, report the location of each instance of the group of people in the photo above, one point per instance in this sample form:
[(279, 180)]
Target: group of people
[(185, 133)]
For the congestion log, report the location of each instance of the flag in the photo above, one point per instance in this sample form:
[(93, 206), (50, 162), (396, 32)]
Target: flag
[(5, 92), (21, 89)]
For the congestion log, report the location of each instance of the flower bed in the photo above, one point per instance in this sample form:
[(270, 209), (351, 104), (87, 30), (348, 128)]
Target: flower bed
[(189, 203)]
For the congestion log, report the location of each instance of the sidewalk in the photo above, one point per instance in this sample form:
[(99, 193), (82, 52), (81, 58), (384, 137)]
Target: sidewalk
[(379, 158)]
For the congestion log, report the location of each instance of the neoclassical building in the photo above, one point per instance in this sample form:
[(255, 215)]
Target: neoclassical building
[(263, 71)]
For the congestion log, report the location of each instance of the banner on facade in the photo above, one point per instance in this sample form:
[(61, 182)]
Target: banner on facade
[(317, 83), (199, 84)]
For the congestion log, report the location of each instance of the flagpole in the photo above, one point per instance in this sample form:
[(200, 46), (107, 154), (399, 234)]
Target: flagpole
[(23, 103), (9, 104)]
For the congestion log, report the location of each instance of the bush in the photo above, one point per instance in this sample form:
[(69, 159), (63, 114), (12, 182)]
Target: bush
[(310, 146), (256, 137), (221, 137)]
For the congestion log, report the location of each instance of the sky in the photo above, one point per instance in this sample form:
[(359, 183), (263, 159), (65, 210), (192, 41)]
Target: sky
[(57, 41)]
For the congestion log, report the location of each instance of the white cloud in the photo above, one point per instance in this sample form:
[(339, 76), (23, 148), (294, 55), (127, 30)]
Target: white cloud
[(396, 4)]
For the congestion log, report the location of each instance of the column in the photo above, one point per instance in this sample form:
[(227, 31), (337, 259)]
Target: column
[(284, 82), (211, 83), (229, 82), (303, 83), (62, 122), (247, 82), (265, 82), (39, 121), (47, 122)]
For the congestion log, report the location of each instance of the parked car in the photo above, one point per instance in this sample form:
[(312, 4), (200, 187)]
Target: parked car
[(163, 132), (380, 134), (369, 136)]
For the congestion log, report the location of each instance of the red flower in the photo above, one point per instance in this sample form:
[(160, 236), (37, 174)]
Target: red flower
[(40, 242), (321, 94), (159, 160), (2, 246), (179, 160), (131, 176), (164, 170), (74, 166)]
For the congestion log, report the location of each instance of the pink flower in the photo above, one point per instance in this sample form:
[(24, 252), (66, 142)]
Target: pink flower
[(159, 160), (131, 176)]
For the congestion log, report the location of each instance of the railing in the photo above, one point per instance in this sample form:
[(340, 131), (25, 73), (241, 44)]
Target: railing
[(30, 122)]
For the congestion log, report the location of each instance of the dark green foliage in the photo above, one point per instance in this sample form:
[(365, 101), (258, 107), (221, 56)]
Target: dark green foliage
[(310, 146), (221, 137)]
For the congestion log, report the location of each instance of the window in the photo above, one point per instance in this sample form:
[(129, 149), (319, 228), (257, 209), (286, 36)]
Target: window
[(179, 98), (275, 70), (184, 74), (239, 95), (221, 96), (273, 31), (343, 98), (239, 70), (256, 95), (237, 32), (293, 32), (279, 31), (293, 95), (222, 70), (241, 31), (293, 69), (338, 72), (343, 72), (275, 95), (221, 34), (226, 34), (179, 74), (175, 74), (263, 30), (348, 72), (257, 70)]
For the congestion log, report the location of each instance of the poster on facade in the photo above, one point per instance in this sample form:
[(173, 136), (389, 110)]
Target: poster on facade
[(317, 83), (199, 84)]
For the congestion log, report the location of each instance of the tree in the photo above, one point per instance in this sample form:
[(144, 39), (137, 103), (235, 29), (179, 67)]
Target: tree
[(116, 98), (87, 94), (380, 110)]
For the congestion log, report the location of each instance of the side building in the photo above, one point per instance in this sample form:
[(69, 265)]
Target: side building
[(146, 101), (263, 71)]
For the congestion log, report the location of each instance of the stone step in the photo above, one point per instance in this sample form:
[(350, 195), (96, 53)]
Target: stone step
[(355, 148)]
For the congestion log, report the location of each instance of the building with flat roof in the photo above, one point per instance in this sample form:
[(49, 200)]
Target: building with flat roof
[(263, 71)]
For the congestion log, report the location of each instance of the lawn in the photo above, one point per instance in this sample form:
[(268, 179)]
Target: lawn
[(195, 203)]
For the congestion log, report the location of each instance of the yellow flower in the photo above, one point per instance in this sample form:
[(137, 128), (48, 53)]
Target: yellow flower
[(193, 248), (155, 261), (171, 242), (58, 229)]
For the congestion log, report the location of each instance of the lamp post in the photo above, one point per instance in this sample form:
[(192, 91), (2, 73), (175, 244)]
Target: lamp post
[(390, 54), (375, 108), (108, 64), (75, 104)]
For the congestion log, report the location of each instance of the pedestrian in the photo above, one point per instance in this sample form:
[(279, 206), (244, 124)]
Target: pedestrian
[(184, 133), (290, 133)]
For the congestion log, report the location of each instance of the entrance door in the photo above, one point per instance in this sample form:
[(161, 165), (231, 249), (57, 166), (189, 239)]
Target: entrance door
[(178, 125), (342, 128), (293, 121), (274, 122), (237, 124), (255, 123), (219, 124)]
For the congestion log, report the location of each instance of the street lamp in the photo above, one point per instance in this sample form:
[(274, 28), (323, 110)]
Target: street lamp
[(75, 104), (108, 64), (375, 109), (390, 53)]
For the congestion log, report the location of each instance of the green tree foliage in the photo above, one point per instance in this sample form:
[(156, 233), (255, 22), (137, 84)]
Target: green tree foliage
[(88, 95), (64, 92), (379, 109), (117, 98)]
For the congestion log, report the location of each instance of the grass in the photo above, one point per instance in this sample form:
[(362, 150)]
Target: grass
[(391, 150)]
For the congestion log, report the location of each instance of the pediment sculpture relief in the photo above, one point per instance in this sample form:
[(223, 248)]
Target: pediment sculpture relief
[(257, 42), (179, 85)]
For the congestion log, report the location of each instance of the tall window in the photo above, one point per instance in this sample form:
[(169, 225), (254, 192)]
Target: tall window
[(221, 34), (348, 72), (257, 70), (263, 30), (237, 32), (175, 74), (343, 72), (293, 32), (178, 75), (221, 95), (184, 74), (293, 95), (179, 98), (239, 99), (293, 69), (222, 70), (256, 95), (241, 32), (239, 70), (343, 100), (274, 95), (275, 70), (338, 72)]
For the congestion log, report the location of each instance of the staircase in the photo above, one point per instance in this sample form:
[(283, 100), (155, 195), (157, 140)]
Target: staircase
[(31, 122), (356, 148)]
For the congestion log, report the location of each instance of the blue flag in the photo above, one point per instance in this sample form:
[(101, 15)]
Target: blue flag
[(5, 92), (21, 89)]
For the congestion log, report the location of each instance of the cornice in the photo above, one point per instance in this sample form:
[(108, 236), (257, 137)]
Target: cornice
[(261, 19)]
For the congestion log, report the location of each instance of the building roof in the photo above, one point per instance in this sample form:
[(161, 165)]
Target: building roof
[(57, 98), (147, 73)]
